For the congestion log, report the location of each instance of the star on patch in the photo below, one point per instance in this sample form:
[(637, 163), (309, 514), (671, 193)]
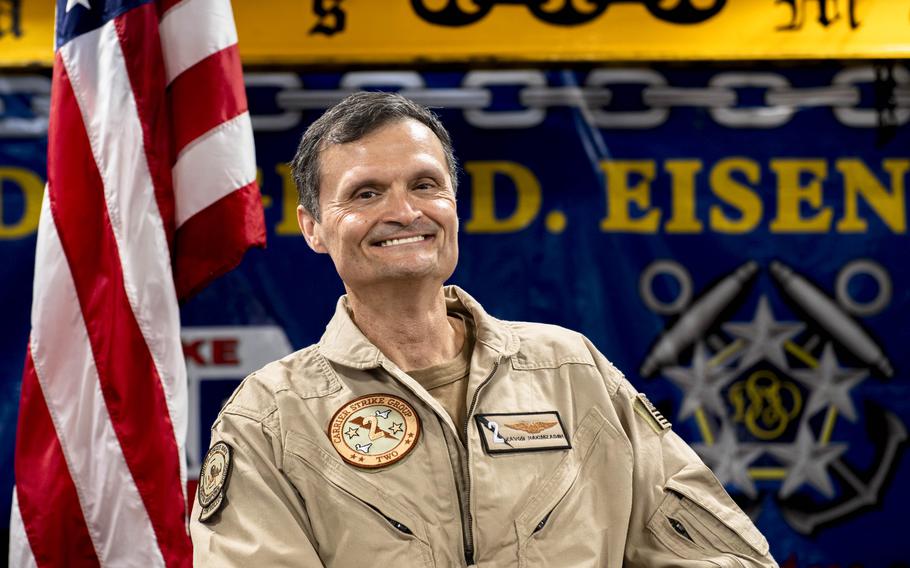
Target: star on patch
[(397, 428), (352, 432)]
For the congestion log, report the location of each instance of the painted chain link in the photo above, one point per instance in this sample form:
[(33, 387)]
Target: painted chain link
[(478, 92)]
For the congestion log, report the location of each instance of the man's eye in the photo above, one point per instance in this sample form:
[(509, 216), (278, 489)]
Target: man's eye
[(366, 194)]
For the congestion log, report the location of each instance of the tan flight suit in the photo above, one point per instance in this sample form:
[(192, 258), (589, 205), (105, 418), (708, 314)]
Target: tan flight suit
[(629, 492)]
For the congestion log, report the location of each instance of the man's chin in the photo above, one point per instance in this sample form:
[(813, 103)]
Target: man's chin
[(406, 276)]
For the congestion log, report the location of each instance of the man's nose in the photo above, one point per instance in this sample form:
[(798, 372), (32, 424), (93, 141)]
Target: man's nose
[(400, 207)]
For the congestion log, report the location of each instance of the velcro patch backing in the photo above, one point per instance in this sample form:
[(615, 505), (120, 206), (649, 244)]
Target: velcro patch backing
[(522, 432)]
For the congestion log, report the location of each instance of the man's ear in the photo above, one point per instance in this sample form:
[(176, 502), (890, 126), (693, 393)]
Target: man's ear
[(310, 229)]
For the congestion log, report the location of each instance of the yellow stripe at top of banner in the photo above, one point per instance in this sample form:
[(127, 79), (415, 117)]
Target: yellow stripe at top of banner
[(415, 31)]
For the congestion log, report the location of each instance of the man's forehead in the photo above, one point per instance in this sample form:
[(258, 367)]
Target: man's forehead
[(392, 146), (412, 128)]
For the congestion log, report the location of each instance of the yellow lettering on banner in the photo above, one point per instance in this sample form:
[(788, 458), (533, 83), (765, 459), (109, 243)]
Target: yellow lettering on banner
[(266, 199), (620, 195), (792, 194), (483, 204), (740, 197), (287, 225), (889, 205), (32, 189), (682, 185)]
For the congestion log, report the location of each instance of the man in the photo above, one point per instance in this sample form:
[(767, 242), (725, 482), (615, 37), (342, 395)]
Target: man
[(421, 431)]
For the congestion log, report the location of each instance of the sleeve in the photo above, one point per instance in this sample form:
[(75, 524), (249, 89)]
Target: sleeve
[(681, 515), (261, 520)]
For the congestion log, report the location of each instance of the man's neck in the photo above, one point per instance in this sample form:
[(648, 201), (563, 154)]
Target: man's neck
[(410, 326)]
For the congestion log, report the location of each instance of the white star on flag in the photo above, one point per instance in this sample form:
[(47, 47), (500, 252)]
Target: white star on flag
[(70, 4)]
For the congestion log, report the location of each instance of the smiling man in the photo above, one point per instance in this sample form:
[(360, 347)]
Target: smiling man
[(420, 430)]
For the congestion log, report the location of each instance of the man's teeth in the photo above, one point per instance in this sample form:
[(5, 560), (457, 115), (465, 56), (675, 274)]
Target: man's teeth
[(393, 242)]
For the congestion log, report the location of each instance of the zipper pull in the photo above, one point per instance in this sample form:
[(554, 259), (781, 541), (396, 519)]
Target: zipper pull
[(542, 523), (679, 528), (400, 526)]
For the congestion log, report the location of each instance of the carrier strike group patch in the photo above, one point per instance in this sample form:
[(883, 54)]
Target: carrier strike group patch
[(375, 430), (649, 412), (521, 432), (213, 480)]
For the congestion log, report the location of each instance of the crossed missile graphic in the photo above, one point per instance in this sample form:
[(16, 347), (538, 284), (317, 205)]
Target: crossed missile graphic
[(702, 314), (830, 317)]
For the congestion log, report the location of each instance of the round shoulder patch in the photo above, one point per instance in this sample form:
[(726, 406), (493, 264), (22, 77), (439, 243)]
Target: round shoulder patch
[(213, 479), (375, 430)]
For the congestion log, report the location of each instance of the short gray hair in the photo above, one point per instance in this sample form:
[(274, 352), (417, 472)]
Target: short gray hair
[(356, 116)]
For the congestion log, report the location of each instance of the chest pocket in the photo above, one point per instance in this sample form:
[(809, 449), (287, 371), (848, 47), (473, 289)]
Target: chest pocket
[(565, 521), (353, 520)]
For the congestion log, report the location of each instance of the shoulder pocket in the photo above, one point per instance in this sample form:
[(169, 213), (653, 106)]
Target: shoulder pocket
[(696, 515)]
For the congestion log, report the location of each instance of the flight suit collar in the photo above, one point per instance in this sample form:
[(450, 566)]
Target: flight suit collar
[(345, 344)]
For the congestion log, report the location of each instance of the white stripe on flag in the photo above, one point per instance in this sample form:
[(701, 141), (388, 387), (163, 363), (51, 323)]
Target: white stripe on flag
[(20, 551), (214, 165), (117, 521), (192, 30), (95, 64)]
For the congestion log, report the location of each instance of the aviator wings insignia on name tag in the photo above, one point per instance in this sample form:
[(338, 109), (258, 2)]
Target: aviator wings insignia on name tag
[(522, 432)]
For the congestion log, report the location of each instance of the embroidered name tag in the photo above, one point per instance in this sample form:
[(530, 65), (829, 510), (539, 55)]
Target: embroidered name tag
[(522, 432)]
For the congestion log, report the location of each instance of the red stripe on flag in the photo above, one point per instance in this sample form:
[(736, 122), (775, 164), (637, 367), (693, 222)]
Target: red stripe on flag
[(47, 496), (207, 94), (232, 223), (137, 30), (129, 381)]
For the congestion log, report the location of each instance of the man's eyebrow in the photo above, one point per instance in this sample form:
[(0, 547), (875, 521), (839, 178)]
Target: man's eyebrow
[(429, 172), (361, 183)]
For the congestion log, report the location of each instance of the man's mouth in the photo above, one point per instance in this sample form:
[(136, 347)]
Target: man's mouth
[(402, 241)]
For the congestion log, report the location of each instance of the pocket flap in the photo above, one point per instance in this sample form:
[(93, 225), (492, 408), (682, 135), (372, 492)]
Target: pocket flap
[(338, 474), (697, 483)]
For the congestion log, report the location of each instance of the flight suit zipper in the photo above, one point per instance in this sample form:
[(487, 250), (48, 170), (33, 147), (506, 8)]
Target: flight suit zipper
[(468, 518), (457, 462)]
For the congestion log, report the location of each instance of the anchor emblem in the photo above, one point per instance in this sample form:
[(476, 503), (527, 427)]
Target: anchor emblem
[(765, 394)]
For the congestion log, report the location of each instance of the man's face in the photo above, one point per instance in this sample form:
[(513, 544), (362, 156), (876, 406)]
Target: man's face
[(387, 207)]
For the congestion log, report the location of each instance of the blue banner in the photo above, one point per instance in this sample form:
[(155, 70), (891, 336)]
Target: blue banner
[(732, 238)]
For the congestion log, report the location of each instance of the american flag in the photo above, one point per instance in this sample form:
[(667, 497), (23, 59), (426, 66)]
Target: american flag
[(151, 193)]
